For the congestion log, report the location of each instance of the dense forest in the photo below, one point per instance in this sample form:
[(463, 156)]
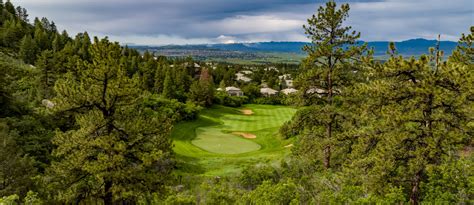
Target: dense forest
[(87, 121)]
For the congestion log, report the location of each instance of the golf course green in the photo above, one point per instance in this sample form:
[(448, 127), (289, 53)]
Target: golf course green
[(224, 140)]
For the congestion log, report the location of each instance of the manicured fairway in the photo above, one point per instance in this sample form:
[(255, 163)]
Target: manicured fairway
[(210, 145)]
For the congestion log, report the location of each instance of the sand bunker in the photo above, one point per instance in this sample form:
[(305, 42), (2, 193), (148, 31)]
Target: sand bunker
[(245, 135), (246, 111), (290, 145)]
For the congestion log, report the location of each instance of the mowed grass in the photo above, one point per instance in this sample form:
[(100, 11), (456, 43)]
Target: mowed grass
[(212, 139), (207, 147)]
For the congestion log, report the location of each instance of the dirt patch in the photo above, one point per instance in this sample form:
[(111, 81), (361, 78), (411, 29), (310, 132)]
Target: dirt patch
[(245, 135), (290, 145), (467, 151), (247, 112)]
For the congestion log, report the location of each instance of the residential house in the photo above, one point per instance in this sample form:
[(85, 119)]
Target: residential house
[(268, 91), (233, 91), (288, 91)]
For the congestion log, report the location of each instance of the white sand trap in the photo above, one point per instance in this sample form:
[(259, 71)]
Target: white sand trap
[(246, 111), (245, 135)]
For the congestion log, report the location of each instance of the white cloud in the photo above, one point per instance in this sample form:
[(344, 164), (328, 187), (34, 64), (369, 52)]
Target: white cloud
[(244, 24), (153, 40), (159, 22), (226, 39)]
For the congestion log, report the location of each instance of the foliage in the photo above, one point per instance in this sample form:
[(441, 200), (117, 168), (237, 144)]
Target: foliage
[(16, 170), (329, 68), (120, 149), (284, 192), (223, 98), (171, 108), (255, 175), (202, 91)]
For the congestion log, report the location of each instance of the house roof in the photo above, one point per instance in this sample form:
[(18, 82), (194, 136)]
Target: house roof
[(268, 91), (289, 91), (232, 89)]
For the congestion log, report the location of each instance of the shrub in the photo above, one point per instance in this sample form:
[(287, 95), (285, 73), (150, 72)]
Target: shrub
[(173, 109), (253, 176), (223, 98), (285, 192)]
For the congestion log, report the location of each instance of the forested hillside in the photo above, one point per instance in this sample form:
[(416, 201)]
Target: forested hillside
[(84, 120)]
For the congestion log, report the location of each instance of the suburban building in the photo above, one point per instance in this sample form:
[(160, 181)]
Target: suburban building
[(268, 91), (242, 77), (288, 91), (246, 72), (233, 91)]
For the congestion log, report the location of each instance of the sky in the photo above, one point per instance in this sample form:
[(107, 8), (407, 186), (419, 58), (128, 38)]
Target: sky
[(163, 22)]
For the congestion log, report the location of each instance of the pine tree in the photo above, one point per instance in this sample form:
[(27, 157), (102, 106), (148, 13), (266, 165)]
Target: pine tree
[(46, 63), (147, 71), (328, 70), (28, 50), (169, 85), (160, 75), (420, 112), (120, 150), (464, 52), (202, 90)]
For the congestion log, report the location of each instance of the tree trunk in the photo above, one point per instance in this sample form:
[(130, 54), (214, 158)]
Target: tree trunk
[(415, 191), (327, 148), (108, 198), (327, 157)]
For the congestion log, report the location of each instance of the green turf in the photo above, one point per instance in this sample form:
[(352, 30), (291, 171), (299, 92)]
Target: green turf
[(205, 146), (212, 139)]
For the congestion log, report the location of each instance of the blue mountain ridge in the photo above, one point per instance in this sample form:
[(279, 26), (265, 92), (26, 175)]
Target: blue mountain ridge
[(408, 47), (412, 47)]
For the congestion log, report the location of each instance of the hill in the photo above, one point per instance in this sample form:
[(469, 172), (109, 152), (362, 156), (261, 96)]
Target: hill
[(283, 52)]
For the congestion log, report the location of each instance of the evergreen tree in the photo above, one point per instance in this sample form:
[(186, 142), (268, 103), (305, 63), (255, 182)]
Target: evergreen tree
[(202, 90), (160, 76), (28, 50), (147, 71), (419, 114), (16, 170), (327, 71), (46, 63), (464, 52), (10, 7), (120, 150)]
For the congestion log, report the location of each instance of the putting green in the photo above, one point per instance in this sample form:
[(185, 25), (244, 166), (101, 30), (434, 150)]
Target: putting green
[(213, 140), (206, 146)]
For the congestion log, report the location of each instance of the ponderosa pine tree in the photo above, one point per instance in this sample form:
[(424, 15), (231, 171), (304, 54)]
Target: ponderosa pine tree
[(328, 70), (28, 49), (159, 78), (120, 150), (202, 91), (464, 52), (420, 113), (147, 71)]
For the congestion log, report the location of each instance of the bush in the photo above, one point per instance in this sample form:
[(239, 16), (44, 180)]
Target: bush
[(285, 192), (255, 175), (270, 100), (223, 98), (172, 109)]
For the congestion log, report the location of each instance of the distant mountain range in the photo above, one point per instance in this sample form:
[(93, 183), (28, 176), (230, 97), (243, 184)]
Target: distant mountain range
[(413, 47)]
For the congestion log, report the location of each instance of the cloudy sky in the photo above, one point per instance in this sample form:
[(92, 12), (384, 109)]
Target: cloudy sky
[(161, 22)]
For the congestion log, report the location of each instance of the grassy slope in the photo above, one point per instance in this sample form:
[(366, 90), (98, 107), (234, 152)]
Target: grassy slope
[(264, 123)]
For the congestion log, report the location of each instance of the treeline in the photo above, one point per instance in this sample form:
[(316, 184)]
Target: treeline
[(82, 119)]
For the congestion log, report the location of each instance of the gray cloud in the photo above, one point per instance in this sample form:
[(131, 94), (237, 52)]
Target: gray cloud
[(211, 21)]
